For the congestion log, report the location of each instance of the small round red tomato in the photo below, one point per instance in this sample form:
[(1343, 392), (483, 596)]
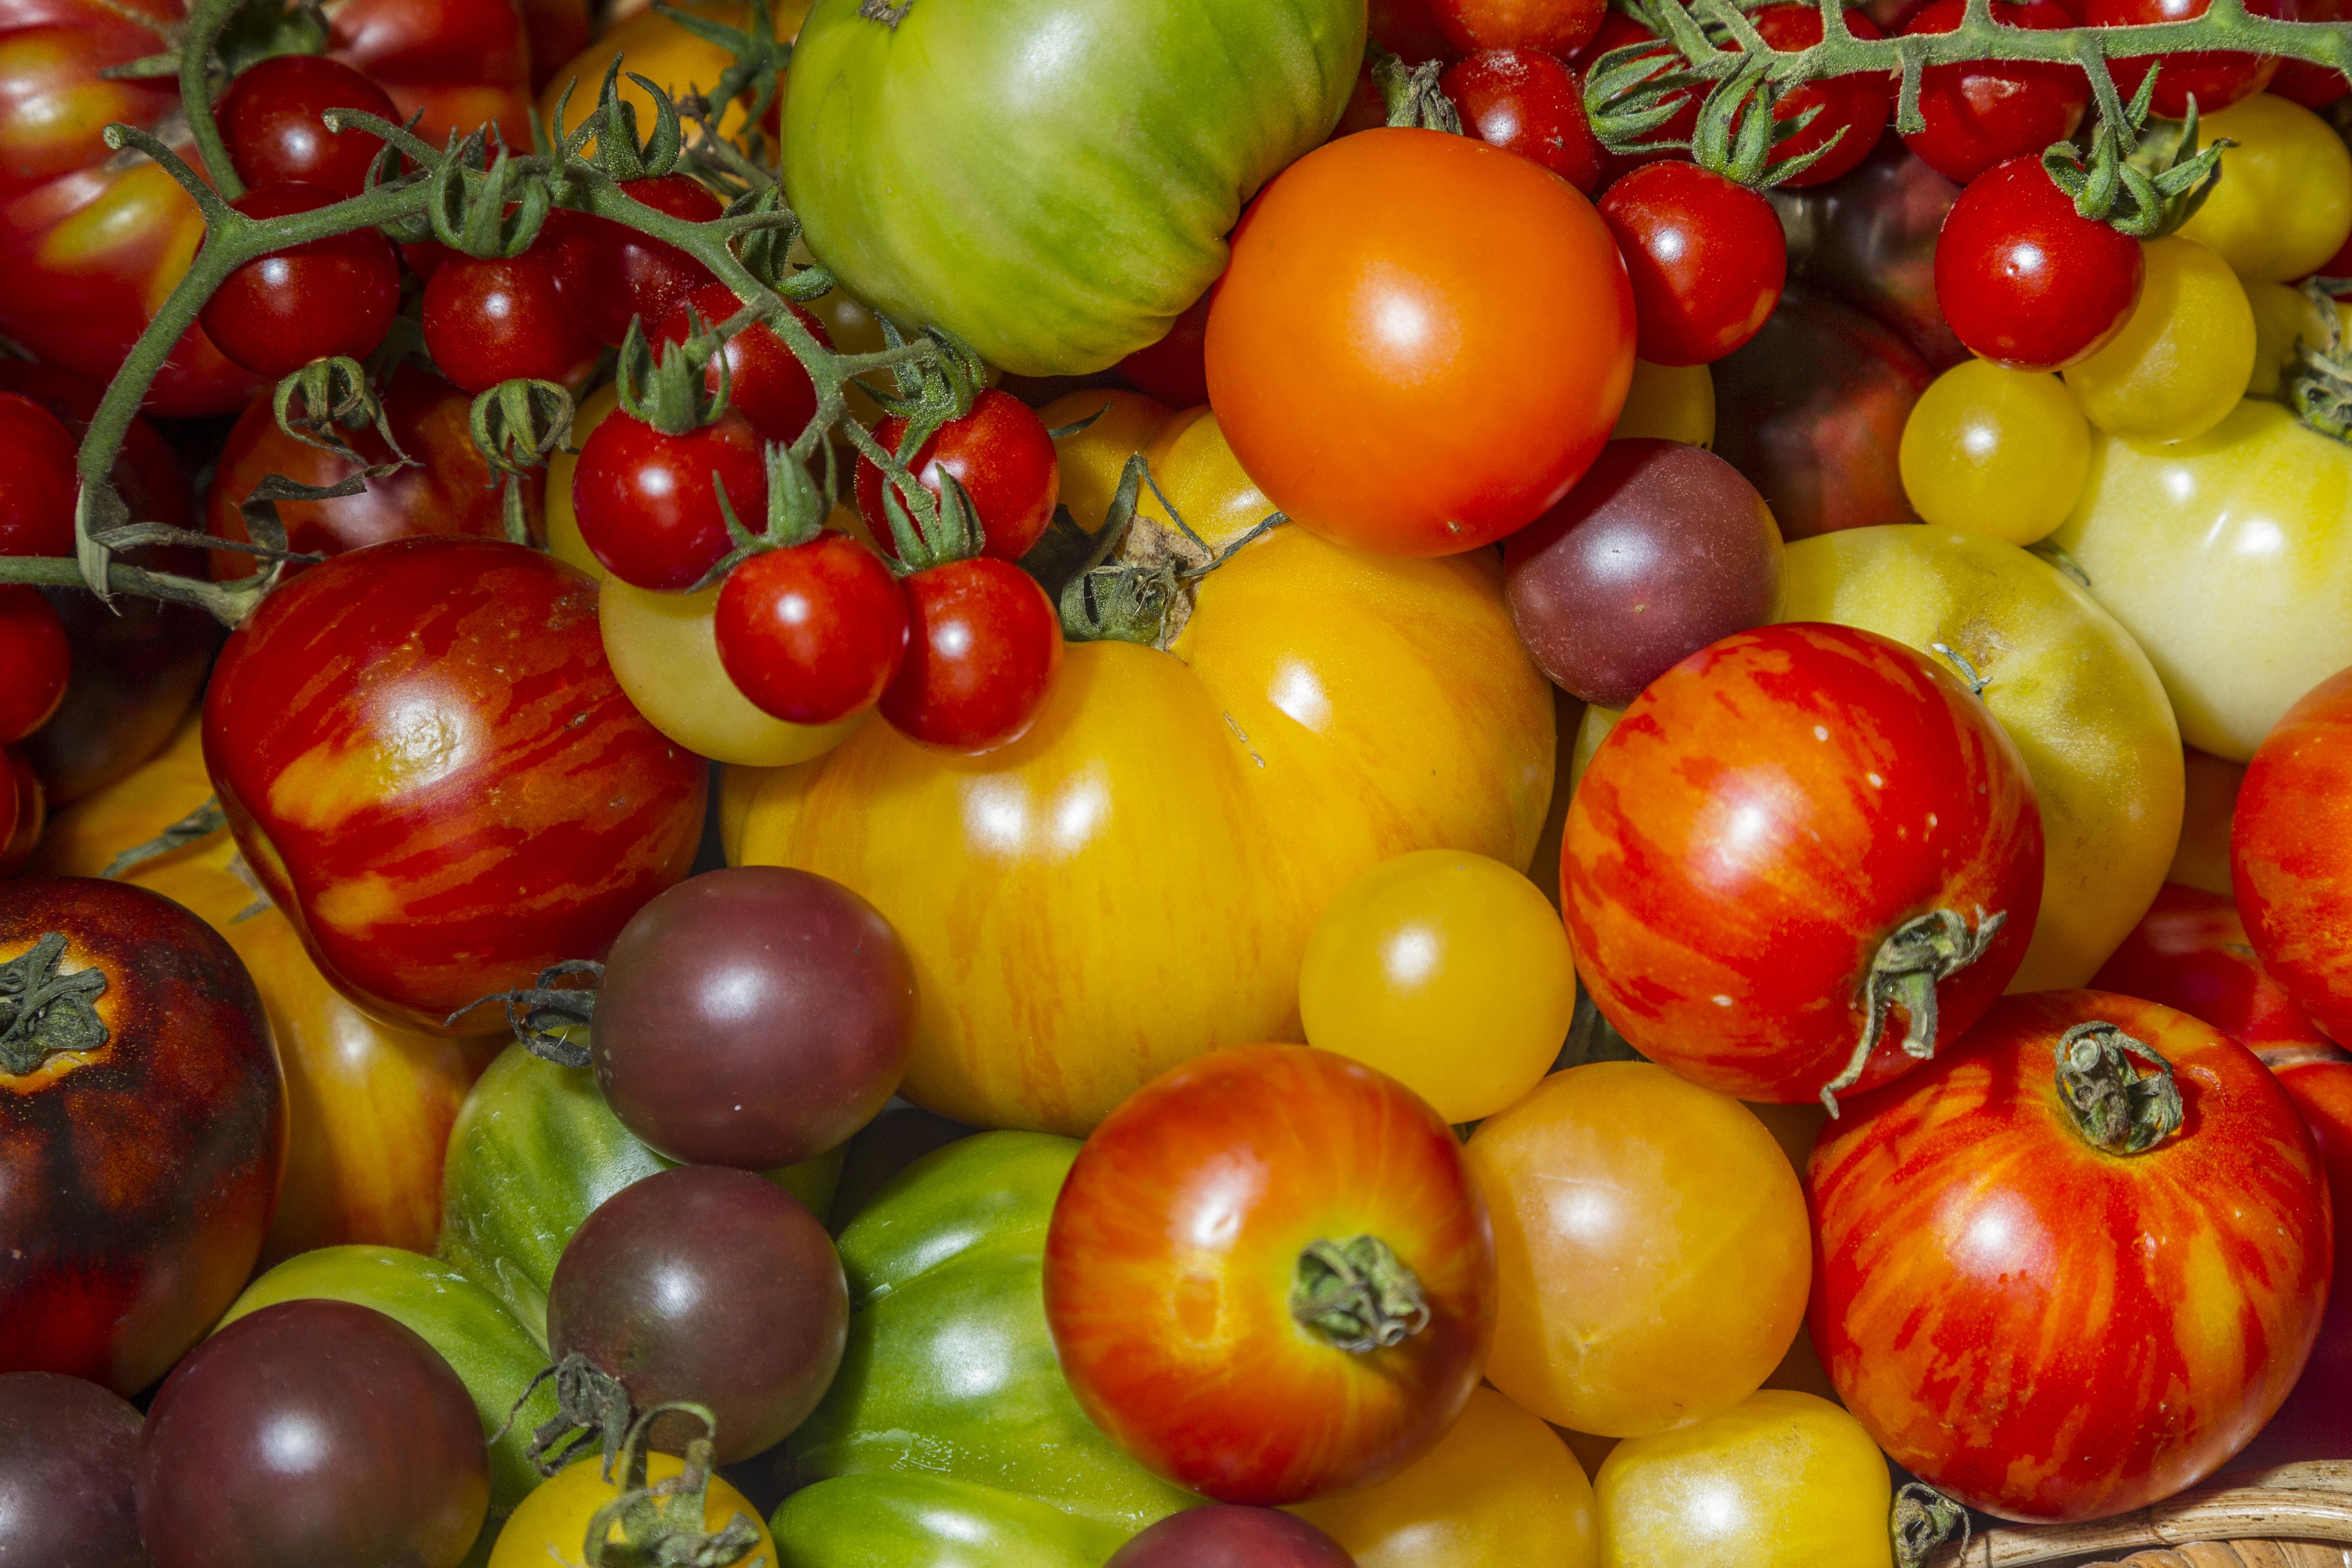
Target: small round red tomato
[(1527, 102), (2291, 854), (1555, 26), (35, 661), (982, 646), (1790, 837), (611, 275), (1988, 112), (37, 483), (1352, 357), (1000, 454), (270, 117), (814, 633), (1853, 110), (2216, 78), (766, 383), (648, 502), (1174, 369), (2075, 1264), (2024, 279), (2314, 87), (330, 296), (1263, 1306), (491, 320), (2190, 952), (1706, 258)]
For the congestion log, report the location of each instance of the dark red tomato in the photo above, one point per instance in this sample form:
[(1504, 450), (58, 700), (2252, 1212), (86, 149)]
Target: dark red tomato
[(23, 811), (766, 382), (1707, 258), (313, 1431), (711, 1286), (611, 275), (35, 661), (1791, 838), (488, 322), (1870, 241), (1987, 113), (2314, 87), (143, 1132), (1407, 30), (1225, 1536), (1002, 456), (428, 762), (2190, 952), (2027, 281), (37, 483), (755, 1017), (814, 633), (2291, 854), (330, 296), (1527, 102), (1555, 26), (2216, 78), (982, 645), (1175, 370), (69, 1450), (1855, 110), (2311, 1425), (648, 502), (2053, 1313), (270, 117)]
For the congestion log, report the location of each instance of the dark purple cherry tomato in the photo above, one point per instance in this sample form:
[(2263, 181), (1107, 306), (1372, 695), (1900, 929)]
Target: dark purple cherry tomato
[(313, 1431), (1175, 369), (1225, 1536), (1991, 111), (37, 483), (647, 503), (494, 320), (1854, 109), (1001, 456), (69, 1452), (1706, 258), (270, 117), (766, 383), (811, 634), (2027, 281), (755, 1017), (711, 1286), (1527, 102), (1660, 550), (982, 646), (610, 274), (1555, 26), (1870, 239), (2216, 78), (335, 296), (35, 661)]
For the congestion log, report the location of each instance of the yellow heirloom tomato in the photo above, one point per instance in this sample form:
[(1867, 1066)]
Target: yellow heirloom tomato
[(549, 1527), (2183, 357), (2284, 203), (1091, 460), (653, 47)]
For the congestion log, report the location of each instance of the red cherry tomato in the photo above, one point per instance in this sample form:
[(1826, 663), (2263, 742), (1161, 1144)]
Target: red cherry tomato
[(1854, 109), (814, 633), (35, 661), (2216, 78), (1527, 102), (2314, 87), (765, 382), (1555, 26), (610, 274), (270, 119), (1175, 370), (1002, 456), (2024, 279), (1987, 113), (38, 482), (982, 646), (330, 296), (1706, 258), (2291, 854), (647, 503), (2190, 952), (491, 320), (22, 811)]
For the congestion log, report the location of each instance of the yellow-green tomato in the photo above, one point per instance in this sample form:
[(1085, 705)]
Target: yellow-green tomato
[(666, 655), (1446, 970), (1671, 402), (2284, 203), (1999, 451), (1784, 1480), (2280, 316), (2230, 558), (2069, 684), (2184, 356), (1590, 731)]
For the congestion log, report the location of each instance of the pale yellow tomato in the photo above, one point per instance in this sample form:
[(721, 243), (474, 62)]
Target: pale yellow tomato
[(549, 1527), (664, 653), (1092, 459), (2280, 315), (2184, 356), (1673, 403), (1446, 970), (2202, 860), (1997, 450), (2284, 203)]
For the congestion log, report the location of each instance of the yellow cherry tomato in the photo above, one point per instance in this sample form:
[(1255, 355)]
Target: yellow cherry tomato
[(1092, 460), (652, 46), (550, 1528), (1500, 1487), (1652, 1244), (2184, 356), (1448, 972), (1202, 479), (665, 653), (1673, 403), (2202, 860), (1591, 730), (2284, 203), (2280, 314), (1999, 451), (1785, 1480)]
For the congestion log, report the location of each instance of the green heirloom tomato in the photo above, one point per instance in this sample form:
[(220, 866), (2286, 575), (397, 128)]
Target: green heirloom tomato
[(949, 1369), (1051, 180), (2069, 685), (887, 1520)]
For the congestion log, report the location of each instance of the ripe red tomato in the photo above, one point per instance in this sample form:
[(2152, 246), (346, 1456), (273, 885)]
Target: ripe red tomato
[(270, 120), (428, 762), (2190, 952), (2311, 1425), (33, 653), (330, 296), (982, 646), (37, 483), (1408, 29), (1001, 456), (1853, 110), (2038, 1319), (1987, 113), (1263, 1306), (647, 500), (2291, 854), (23, 811), (488, 322), (2027, 281), (766, 383), (1706, 258), (1783, 826), (1527, 102), (1351, 356), (2215, 78), (2314, 87), (814, 633), (1175, 369), (610, 274), (1555, 26)]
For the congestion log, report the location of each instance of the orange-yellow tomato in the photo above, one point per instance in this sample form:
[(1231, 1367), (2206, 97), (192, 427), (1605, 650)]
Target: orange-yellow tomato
[(550, 1530), (653, 47), (1092, 459)]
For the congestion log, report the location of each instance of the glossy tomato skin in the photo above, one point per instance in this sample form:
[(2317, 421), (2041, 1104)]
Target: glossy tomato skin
[(1557, 30), (1001, 456), (142, 1175), (327, 297), (1351, 371), (2045, 1330), (35, 653), (1853, 110), (491, 320), (1706, 258), (766, 383), (2190, 952), (1767, 815), (813, 634), (2310, 1424), (648, 502), (384, 729), (2215, 78), (68, 1452), (1169, 1282), (610, 274), (2024, 279), (2289, 848), (270, 120), (983, 644), (1224, 1536), (1979, 115), (39, 485), (1526, 101)]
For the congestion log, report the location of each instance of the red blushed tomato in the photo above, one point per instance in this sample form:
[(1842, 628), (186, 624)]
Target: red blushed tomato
[(1987, 113), (1706, 258), (2190, 952), (2024, 279), (1527, 102), (610, 274), (2311, 1425), (982, 646), (1853, 110), (2215, 78), (23, 811), (1549, 26), (494, 320), (270, 118), (1790, 837), (814, 633), (33, 653), (428, 761), (2052, 1290), (37, 483), (648, 502), (1000, 454), (1265, 1306), (766, 383), (2291, 854), (330, 296), (1351, 358), (1175, 369), (2314, 87)]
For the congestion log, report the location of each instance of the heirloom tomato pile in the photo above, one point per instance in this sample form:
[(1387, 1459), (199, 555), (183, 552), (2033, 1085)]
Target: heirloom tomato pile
[(1170, 784)]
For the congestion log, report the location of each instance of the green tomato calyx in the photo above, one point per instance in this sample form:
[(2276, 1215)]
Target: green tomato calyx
[(661, 1525), (2113, 1105), (2320, 392), (1356, 1295), (43, 1012), (550, 1020), (1922, 1519), (1919, 955), (2143, 192)]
